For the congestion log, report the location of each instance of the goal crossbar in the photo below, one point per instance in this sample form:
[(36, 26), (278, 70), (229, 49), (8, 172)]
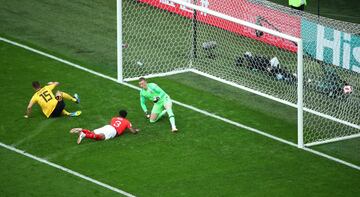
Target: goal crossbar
[(298, 105), (237, 20)]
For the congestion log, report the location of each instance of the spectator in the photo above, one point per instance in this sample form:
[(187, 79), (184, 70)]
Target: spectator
[(269, 66), (297, 4), (331, 84)]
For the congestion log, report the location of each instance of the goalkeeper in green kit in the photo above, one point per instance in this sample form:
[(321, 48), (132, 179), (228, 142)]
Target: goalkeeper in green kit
[(162, 102)]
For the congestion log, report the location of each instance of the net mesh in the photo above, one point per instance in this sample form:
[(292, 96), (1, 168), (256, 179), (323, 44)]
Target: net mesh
[(165, 37)]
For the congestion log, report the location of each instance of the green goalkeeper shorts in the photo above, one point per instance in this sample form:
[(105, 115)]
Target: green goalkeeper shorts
[(160, 105)]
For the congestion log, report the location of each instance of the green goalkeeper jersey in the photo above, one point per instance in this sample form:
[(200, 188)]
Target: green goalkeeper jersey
[(151, 93)]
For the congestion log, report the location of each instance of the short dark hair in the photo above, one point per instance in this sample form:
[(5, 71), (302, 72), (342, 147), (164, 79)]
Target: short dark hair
[(122, 113), (142, 79), (36, 85)]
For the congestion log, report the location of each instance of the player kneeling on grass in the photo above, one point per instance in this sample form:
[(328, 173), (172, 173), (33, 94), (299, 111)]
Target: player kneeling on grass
[(116, 127), (51, 106), (162, 102)]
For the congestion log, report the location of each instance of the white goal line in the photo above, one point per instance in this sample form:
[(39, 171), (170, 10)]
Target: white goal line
[(184, 105), (44, 161)]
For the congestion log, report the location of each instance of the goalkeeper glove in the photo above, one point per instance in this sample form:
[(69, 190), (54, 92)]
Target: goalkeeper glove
[(156, 99), (147, 115)]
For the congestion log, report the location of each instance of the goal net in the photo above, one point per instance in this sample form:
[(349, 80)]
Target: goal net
[(249, 44), (156, 42)]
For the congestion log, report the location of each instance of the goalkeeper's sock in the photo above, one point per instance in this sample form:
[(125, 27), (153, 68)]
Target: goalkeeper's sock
[(64, 112), (171, 118), (172, 122), (160, 115), (68, 97)]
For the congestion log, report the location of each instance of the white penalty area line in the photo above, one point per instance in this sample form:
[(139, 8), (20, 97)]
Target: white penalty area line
[(186, 106), (66, 170)]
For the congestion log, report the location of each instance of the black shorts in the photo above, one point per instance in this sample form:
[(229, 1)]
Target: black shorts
[(58, 109), (302, 7)]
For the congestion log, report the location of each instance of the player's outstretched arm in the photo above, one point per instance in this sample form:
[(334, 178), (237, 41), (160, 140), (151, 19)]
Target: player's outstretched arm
[(29, 109), (143, 105), (134, 130)]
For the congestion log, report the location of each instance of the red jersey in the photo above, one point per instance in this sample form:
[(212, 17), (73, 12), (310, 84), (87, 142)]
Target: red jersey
[(120, 124)]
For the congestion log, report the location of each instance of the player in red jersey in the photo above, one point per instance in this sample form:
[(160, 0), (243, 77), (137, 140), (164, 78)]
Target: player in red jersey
[(116, 127)]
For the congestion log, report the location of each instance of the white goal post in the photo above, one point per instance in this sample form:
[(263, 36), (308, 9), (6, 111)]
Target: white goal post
[(297, 102), (119, 40)]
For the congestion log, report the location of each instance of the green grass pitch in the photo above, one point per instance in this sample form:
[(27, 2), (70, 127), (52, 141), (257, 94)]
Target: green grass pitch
[(207, 158)]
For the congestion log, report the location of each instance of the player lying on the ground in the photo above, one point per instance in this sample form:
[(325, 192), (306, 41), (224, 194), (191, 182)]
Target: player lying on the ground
[(331, 83), (116, 127), (162, 102), (270, 66), (51, 106)]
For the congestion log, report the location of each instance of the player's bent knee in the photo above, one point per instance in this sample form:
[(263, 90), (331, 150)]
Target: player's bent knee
[(58, 95), (168, 106), (102, 137), (153, 117)]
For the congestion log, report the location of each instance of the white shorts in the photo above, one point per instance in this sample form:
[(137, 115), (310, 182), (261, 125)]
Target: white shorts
[(108, 130)]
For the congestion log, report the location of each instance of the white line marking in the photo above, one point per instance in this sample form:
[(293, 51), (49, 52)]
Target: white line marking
[(66, 170), (185, 105), (333, 140)]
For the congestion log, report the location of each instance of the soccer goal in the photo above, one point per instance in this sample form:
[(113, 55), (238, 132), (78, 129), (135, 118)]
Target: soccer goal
[(243, 44)]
